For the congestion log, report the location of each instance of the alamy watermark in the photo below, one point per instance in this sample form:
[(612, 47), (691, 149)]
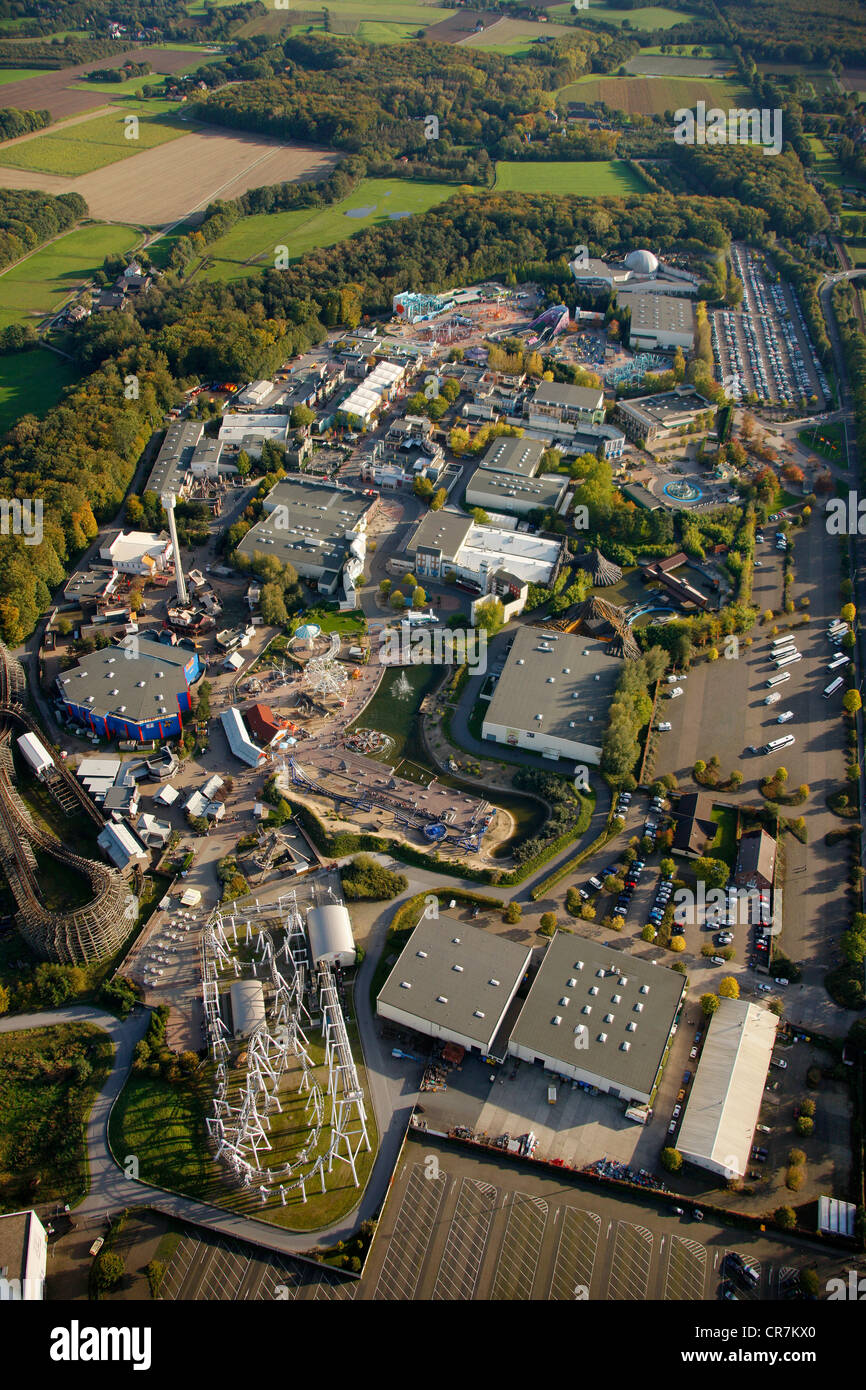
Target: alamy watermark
[(846, 516), (737, 126), (22, 518)]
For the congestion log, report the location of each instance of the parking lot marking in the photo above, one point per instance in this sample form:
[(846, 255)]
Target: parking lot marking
[(467, 1239), (630, 1268), (413, 1231), (225, 1273), (575, 1255), (278, 1275), (521, 1248), (176, 1273), (332, 1287), (686, 1271)]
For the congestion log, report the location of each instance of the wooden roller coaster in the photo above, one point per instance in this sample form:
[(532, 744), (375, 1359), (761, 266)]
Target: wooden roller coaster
[(83, 934)]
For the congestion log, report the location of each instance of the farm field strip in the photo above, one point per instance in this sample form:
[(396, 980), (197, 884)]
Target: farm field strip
[(85, 146), (647, 96), (589, 178)]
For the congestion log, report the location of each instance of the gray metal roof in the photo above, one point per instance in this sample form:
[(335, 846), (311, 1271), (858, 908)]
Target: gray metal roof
[(728, 1089), (307, 524), (658, 312), (142, 675), (443, 530), (630, 1001), (560, 684), (510, 454), (573, 397), (174, 457), (502, 489), (455, 973)]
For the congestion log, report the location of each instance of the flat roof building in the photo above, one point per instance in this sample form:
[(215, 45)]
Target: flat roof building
[(509, 492), (172, 467), (561, 401), (600, 1016), (510, 454), (248, 432), (658, 418), (453, 982), (137, 552), (726, 1096), (553, 696), (446, 541), (312, 526), (139, 689), (659, 321)]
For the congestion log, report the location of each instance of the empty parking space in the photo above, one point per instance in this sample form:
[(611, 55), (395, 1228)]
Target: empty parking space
[(632, 1262), (521, 1248), (174, 1277), (575, 1255), (686, 1271), (467, 1239), (280, 1281), (225, 1272), (411, 1236)]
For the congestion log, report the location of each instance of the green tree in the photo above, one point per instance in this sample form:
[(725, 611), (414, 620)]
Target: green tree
[(513, 913), (419, 597), (786, 1218), (548, 923), (729, 988), (438, 500), (851, 702), (301, 416), (671, 1160), (273, 605), (109, 1270), (709, 1004)]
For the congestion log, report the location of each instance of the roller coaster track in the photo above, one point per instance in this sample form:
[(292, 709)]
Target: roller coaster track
[(85, 933)]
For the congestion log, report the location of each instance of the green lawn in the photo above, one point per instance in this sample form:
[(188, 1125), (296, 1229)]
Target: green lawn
[(249, 246), (79, 149), (19, 74), (647, 17), (38, 285), (592, 179), (386, 31), (31, 383), (825, 440), (724, 845)]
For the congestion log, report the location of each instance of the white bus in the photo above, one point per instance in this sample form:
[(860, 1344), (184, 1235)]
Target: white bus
[(783, 651), (833, 687), (788, 660), (775, 744), (837, 626), (837, 662), (782, 642), (777, 680)]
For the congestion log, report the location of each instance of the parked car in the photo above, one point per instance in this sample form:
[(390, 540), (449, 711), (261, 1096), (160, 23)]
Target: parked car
[(780, 980), (778, 1062), (763, 989), (764, 1129), (693, 1054), (665, 727), (717, 960), (677, 690)]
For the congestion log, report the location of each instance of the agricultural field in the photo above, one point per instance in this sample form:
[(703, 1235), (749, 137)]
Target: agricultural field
[(380, 19), (176, 179), (249, 246), (38, 285), (589, 178), (88, 145), (512, 36), (652, 96), (650, 63), (647, 17), (19, 74), (31, 383), (826, 166)]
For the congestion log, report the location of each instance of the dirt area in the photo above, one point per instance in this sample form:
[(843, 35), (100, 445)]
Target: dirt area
[(165, 184), (56, 91), (459, 26), (506, 30)]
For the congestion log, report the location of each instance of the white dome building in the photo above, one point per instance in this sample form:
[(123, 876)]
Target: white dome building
[(642, 262)]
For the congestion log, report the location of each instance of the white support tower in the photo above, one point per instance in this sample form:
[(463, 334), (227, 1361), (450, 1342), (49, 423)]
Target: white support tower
[(168, 501)]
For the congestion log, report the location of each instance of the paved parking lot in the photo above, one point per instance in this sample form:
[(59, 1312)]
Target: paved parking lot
[(496, 1230), (205, 1268)]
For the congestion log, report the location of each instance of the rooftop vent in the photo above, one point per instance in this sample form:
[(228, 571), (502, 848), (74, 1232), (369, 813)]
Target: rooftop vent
[(556, 1020), (422, 954), (616, 999), (625, 1047), (578, 965), (441, 999), (404, 984), (638, 1008), (458, 968), (644, 989), (602, 1037), (608, 1018), (572, 983), (594, 989), (564, 1000), (493, 982), (478, 1013), (631, 1027), (587, 1009)]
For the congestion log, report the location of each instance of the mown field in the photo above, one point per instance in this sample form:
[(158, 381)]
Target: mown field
[(31, 383), (405, 15), (93, 144), (591, 179), (19, 74), (249, 246), (646, 17), (38, 285), (513, 36), (652, 96)]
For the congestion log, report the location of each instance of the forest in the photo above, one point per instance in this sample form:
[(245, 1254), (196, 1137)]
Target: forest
[(14, 122), (799, 31), (168, 18), (28, 218)]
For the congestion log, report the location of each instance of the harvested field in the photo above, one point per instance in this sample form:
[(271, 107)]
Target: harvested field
[(671, 65), (648, 96), (159, 186), (513, 36), (460, 25), (61, 92)]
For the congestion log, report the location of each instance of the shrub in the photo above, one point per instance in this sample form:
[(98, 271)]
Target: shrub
[(796, 1157), (805, 1126), (366, 878), (109, 1270), (671, 1160), (786, 1217), (547, 925), (512, 913), (794, 1179), (807, 1106)]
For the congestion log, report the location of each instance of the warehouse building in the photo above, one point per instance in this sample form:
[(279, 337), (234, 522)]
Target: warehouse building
[(141, 553), (553, 696), (453, 982), (599, 1016), (510, 454), (446, 542), (509, 493), (312, 526), (171, 472), (659, 321), (248, 432), (139, 689), (725, 1101), (658, 419), (365, 402), (23, 1257)]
